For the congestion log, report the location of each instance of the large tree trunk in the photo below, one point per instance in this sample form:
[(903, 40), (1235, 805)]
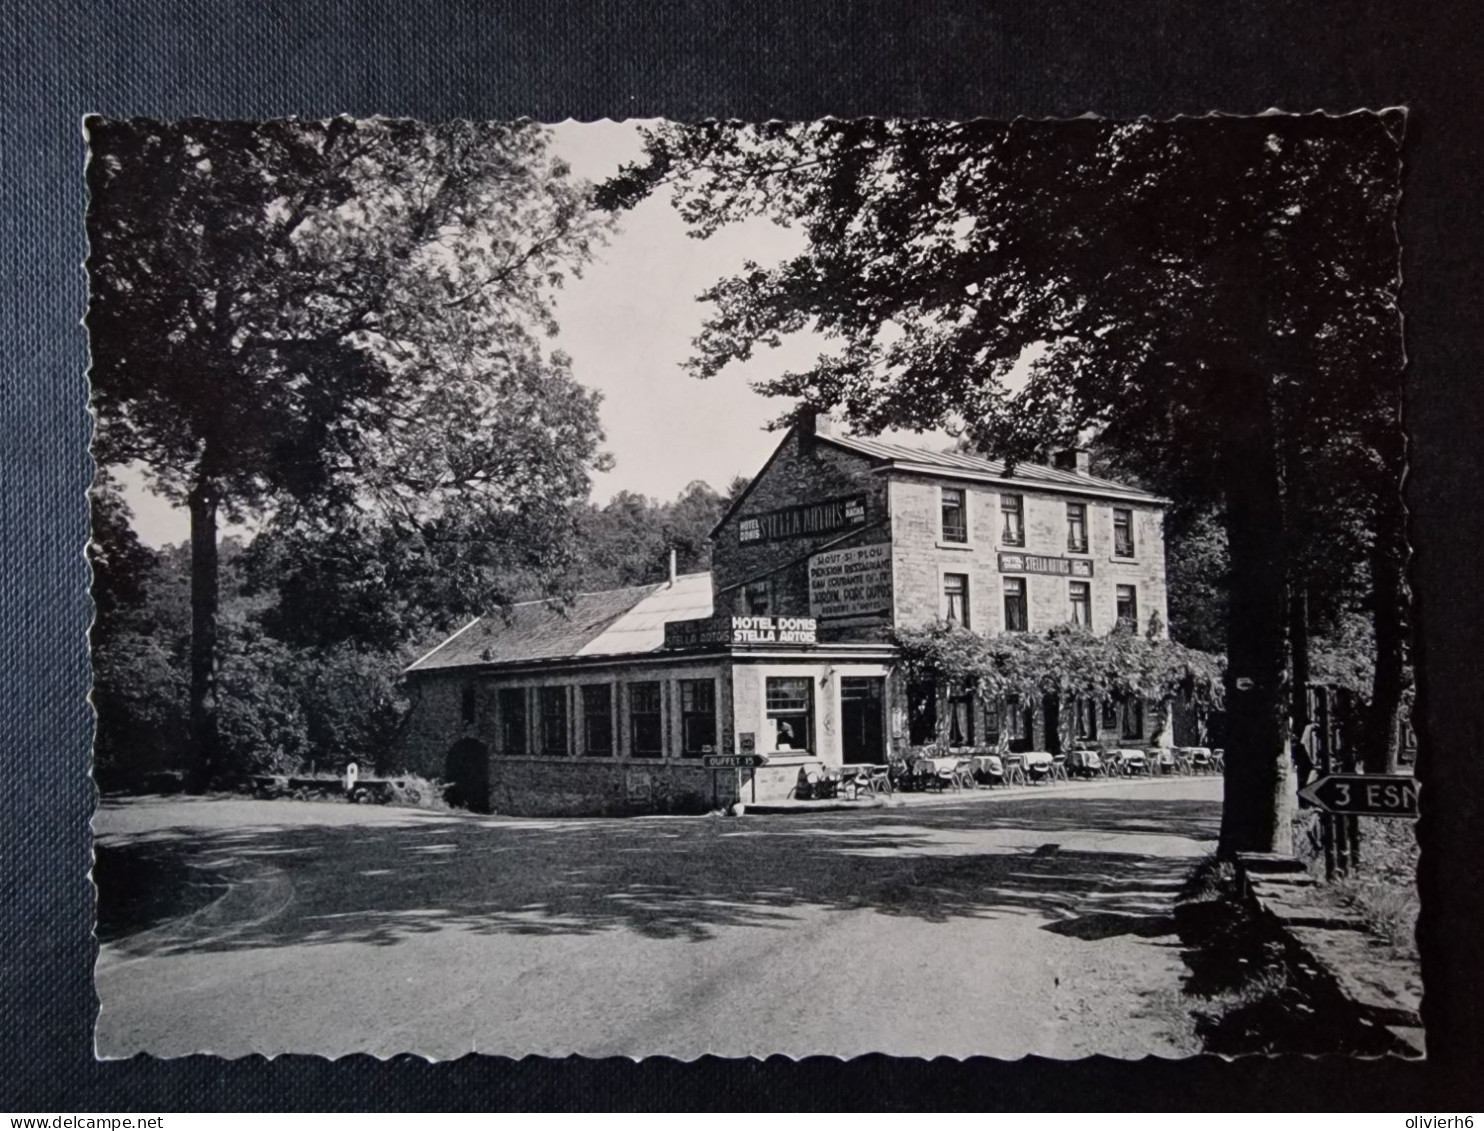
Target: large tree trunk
[(1381, 738), (1256, 808), (205, 599), (1298, 647)]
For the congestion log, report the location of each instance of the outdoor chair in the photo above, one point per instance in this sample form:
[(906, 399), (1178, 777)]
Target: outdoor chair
[(1059, 768), (1200, 760), (1015, 769), (1218, 761), (815, 785)]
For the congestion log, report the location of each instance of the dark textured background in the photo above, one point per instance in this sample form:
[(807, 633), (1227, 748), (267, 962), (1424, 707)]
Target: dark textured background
[(755, 59)]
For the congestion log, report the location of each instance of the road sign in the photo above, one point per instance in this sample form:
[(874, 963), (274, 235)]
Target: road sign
[(1364, 795), (732, 761)]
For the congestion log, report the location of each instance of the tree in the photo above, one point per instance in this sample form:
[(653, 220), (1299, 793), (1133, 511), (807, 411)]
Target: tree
[(1214, 296), (339, 324), (628, 540)]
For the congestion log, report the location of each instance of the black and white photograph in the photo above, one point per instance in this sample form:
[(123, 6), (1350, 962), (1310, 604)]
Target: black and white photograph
[(651, 588)]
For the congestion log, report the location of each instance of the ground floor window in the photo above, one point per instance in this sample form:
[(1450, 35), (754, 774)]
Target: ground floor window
[(961, 719), (697, 717), (597, 720), (1022, 725), (1110, 714), (790, 706), (646, 720), (553, 720), (1087, 719), (922, 713), (512, 706), (1132, 718)]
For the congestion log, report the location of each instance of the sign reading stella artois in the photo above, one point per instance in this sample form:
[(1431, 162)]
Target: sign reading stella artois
[(1040, 563), (803, 519), (851, 582)]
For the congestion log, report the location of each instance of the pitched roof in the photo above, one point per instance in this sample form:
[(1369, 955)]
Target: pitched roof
[(950, 463), (611, 623)]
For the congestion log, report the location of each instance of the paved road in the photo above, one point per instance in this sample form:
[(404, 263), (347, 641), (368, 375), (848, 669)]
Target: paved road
[(997, 926)]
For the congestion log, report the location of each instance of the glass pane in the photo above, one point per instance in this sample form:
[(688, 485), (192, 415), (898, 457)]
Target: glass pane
[(790, 693)]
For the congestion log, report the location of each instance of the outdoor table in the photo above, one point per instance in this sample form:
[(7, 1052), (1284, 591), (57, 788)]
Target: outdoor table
[(1038, 762), (1131, 761), (1198, 756), (1166, 759), (987, 764), (945, 768), (859, 777)]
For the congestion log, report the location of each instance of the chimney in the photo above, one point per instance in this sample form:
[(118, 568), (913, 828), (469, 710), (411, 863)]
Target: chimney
[(672, 567), (1078, 460), (813, 423)]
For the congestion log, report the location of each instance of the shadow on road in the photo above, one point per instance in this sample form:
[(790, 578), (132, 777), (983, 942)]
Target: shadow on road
[(1096, 868)]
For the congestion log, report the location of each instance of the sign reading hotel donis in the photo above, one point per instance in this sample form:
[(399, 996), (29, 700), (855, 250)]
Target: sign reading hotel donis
[(1037, 563), (740, 630)]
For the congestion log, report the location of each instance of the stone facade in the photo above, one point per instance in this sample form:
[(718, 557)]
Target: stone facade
[(801, 470), (920, 556)]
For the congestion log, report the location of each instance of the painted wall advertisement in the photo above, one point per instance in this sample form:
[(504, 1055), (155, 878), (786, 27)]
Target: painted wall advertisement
[(853, 582)]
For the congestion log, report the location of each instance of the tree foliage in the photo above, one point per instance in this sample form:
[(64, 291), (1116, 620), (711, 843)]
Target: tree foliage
[(627, 541), (1067, 663), (340, 325), (1215, 298)]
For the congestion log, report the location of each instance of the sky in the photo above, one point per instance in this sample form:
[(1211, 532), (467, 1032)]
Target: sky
[(627, 325)]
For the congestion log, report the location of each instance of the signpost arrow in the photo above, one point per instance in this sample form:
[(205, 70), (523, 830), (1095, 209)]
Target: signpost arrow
[(1363, 795), (732, 761)]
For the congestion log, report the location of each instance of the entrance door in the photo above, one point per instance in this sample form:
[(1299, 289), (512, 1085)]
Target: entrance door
[(862, 712), (468, 773)]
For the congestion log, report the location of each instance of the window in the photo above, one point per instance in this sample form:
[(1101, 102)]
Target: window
[(961, 719), (597, 720), (1022, 722), (1016, 619), (469, 705), (922, 713), (1123, 532), (1013, 512), (1128, 606), (1087, 719), (1110, 714), (956, 598), (697, 717), (1133, 718), (1081, 596), (790, 704), (553, 720), (1077, 528), (646, 720), (992, 723), (955, 515), (757, 598), (513, 720)]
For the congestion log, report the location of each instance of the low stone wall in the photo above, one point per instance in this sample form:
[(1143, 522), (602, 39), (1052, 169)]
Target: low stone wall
[(589, 787), (1382, 989)]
